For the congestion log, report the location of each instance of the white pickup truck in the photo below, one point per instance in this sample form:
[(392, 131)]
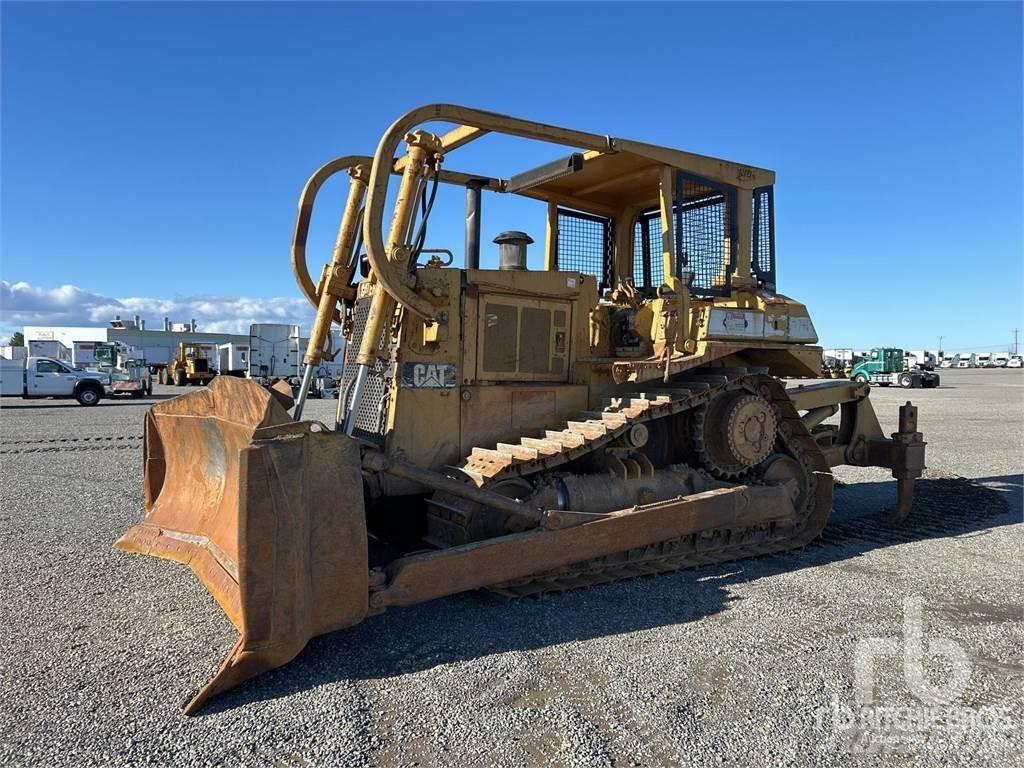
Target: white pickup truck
[(47, 377)]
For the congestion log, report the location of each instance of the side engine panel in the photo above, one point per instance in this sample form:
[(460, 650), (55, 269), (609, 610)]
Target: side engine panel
[(501, 362)]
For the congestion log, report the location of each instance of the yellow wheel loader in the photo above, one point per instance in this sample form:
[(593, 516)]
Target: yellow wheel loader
[(190, 366), (620, 412)]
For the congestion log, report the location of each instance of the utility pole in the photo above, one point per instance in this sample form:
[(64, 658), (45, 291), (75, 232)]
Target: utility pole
[(940, 346), (1015, 332)]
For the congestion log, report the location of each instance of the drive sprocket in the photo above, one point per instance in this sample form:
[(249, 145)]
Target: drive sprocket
[(734, 433)]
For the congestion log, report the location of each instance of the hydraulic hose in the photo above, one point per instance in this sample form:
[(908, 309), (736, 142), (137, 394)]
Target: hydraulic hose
[(421, 233)]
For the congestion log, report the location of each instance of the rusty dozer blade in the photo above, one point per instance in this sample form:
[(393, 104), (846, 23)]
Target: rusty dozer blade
[(267, 513)]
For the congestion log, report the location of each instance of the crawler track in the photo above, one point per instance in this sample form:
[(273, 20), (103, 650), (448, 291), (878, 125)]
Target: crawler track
[(592, 430)]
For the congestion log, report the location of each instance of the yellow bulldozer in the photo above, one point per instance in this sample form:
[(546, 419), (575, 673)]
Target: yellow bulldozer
[(621, 411), (190, 366)]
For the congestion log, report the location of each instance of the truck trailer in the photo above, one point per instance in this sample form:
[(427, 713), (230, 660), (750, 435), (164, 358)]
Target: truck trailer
[(274, 352), (49, 348), (233, 359), (919, 358)]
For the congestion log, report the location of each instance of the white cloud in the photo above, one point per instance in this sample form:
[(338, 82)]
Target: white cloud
[(23, 304)]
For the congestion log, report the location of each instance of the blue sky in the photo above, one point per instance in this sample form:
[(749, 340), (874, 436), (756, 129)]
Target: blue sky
[(156, 151)]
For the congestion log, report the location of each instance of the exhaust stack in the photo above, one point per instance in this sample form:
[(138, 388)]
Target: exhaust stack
[(512, 250), (473, 187)]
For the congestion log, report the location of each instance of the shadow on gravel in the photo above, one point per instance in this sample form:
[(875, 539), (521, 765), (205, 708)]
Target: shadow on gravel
[(475, 625)]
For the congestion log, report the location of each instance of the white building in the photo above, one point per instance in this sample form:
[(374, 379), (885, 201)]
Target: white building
[(158, 346)]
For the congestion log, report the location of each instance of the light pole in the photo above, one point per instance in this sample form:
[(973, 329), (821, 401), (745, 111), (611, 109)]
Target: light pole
[(940, 345)]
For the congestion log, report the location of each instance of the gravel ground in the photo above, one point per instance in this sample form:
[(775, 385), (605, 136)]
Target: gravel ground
[(749, 663)]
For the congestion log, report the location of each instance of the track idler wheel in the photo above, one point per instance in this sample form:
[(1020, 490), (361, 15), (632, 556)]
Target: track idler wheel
[(780, 469), (735, 432)]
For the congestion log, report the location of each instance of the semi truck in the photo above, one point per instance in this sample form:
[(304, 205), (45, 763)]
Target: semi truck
[(274, 352), (34, 377), (884, 366)]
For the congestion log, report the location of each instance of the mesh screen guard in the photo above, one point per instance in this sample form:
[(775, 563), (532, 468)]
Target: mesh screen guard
[(705, 215), (372, 416), (762, 261), (586, 244), (705, 232)]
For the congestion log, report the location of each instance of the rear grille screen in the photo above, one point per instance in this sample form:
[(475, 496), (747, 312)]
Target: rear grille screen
[(501, 337), (535, 344), (524, 338)]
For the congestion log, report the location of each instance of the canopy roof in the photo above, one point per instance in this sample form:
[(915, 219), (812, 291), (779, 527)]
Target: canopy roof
[(629, 175)]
